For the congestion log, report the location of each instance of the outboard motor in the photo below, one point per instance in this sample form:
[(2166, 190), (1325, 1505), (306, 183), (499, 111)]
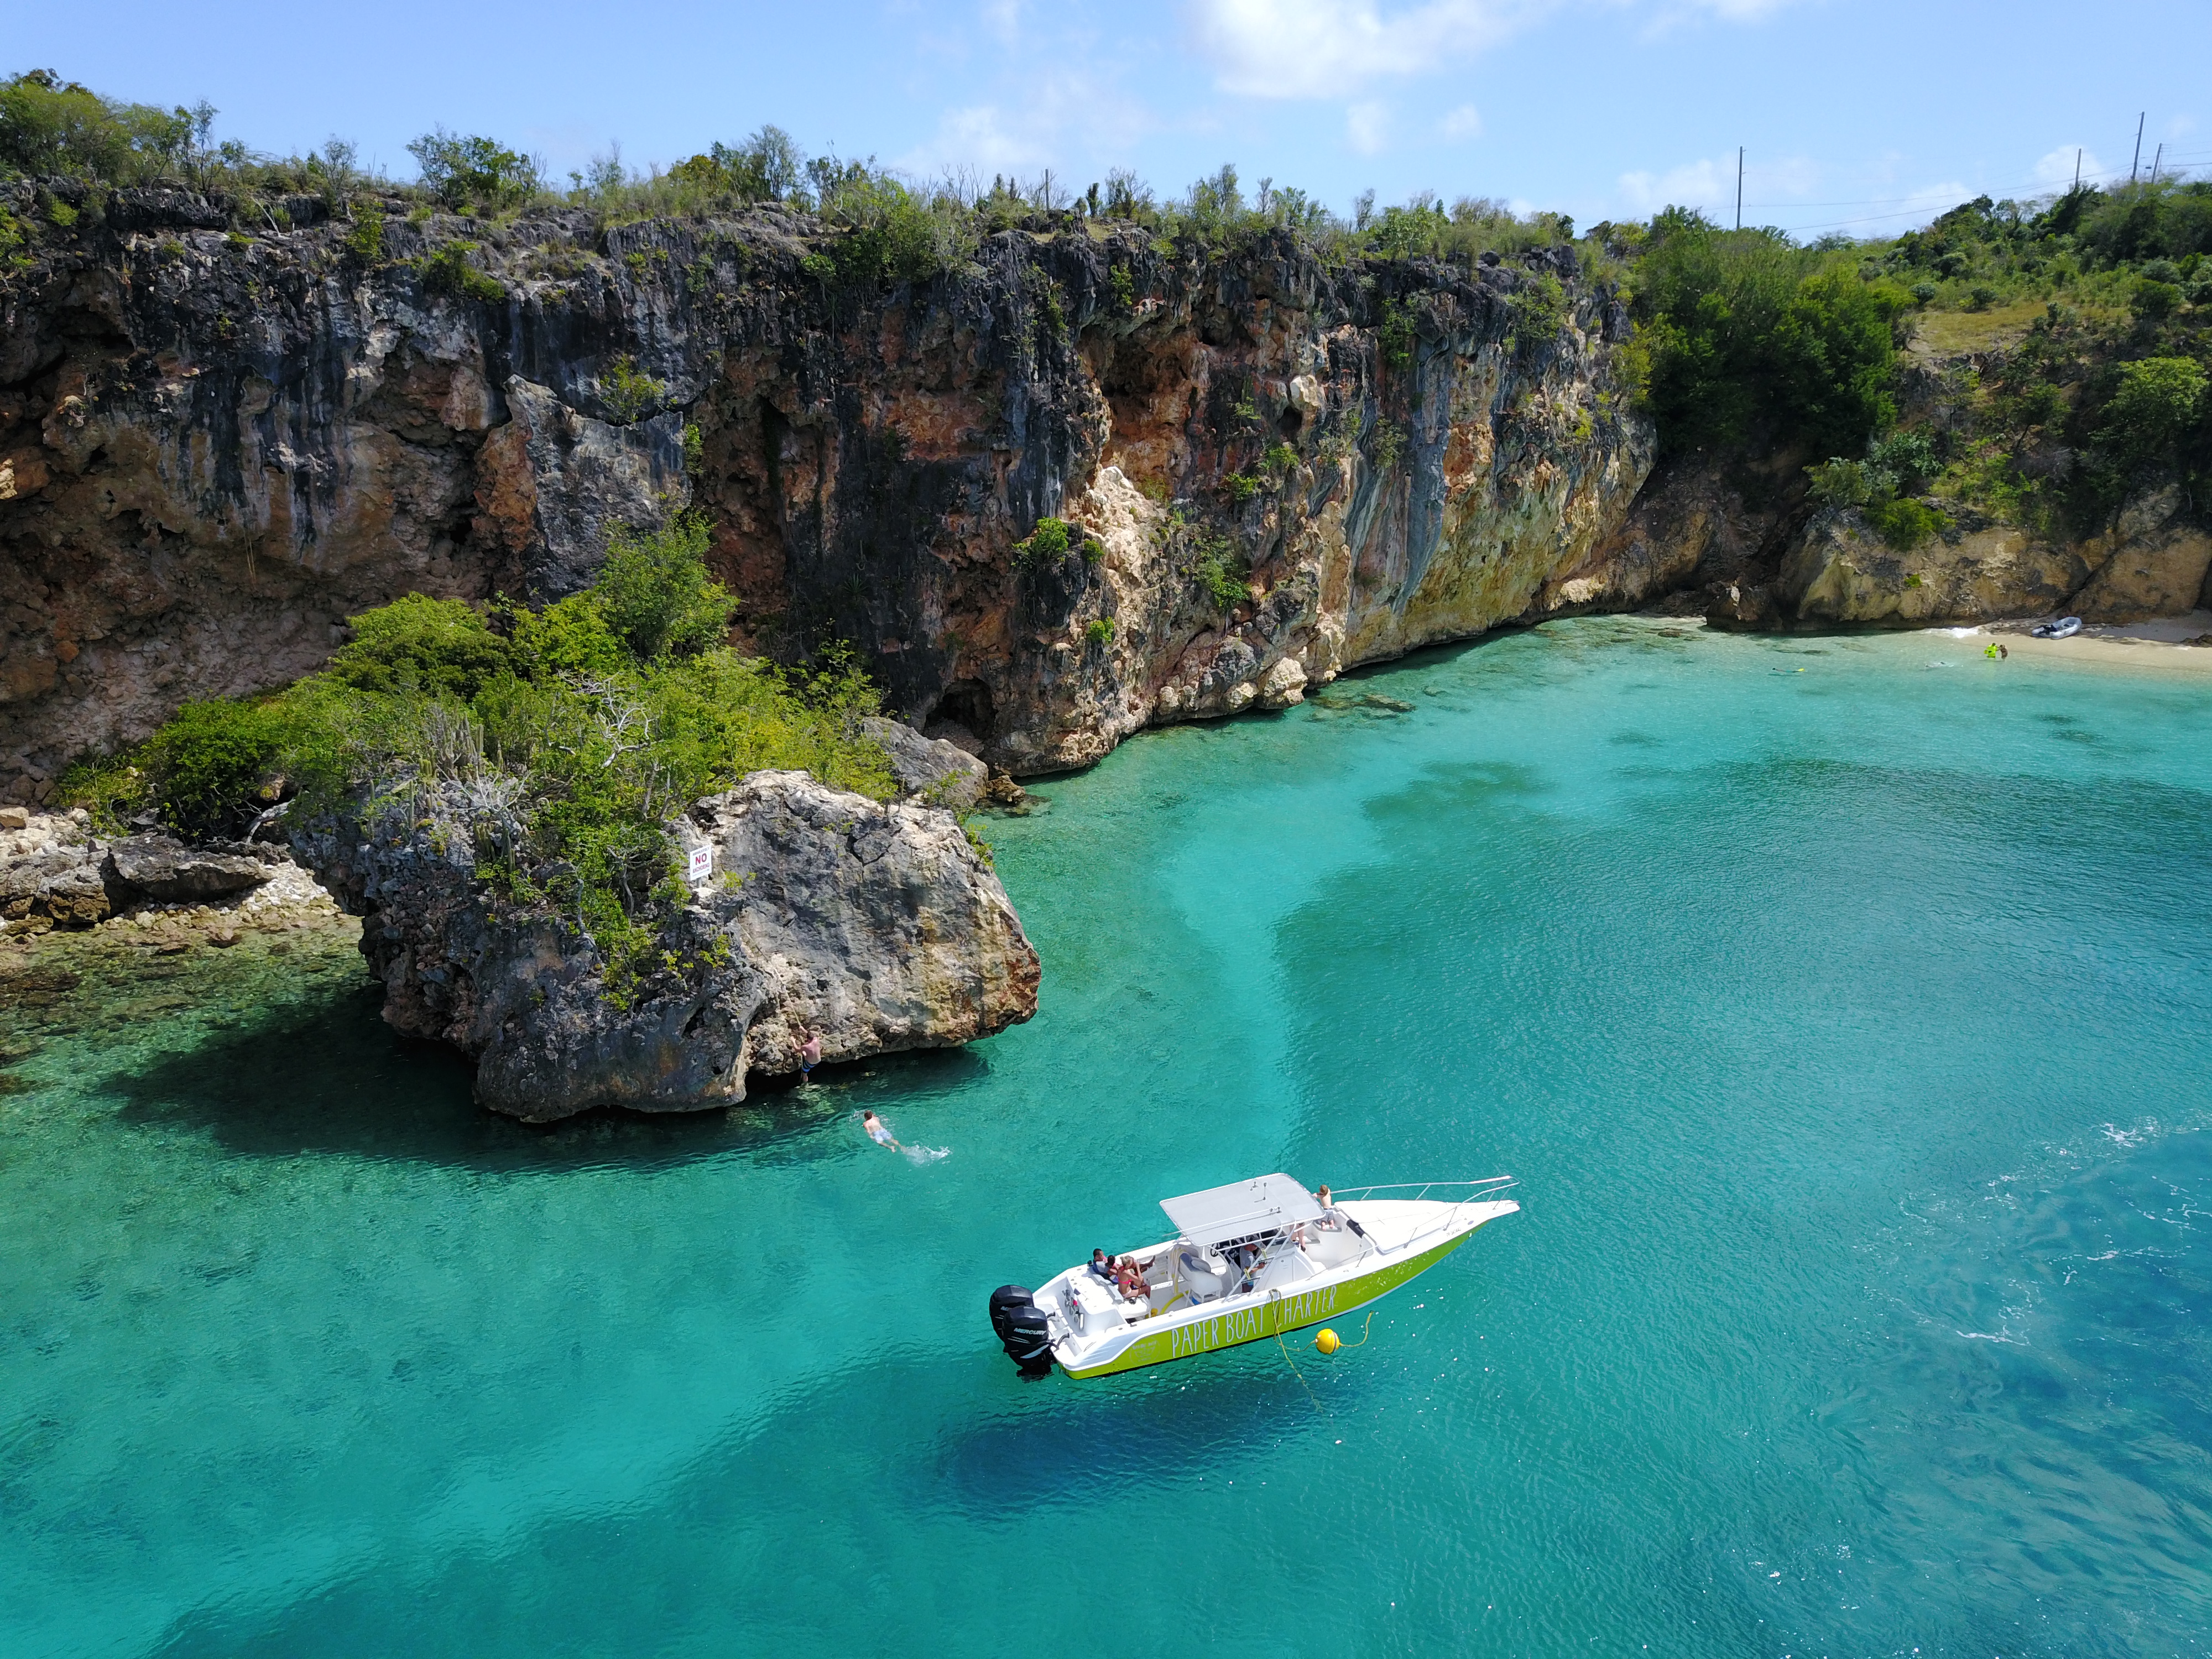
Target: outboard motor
[(1020, 1328)]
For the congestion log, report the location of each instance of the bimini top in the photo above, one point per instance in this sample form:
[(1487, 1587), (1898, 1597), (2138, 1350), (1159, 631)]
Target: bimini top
[(1261, 1205)]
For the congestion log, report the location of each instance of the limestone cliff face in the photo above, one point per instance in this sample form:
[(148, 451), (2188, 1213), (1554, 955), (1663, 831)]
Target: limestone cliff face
[(217, 441)]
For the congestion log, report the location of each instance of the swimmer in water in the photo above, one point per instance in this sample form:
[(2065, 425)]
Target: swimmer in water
[(877, 1133)]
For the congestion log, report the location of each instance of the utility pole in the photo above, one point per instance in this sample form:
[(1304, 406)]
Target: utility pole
[(2155, 160), (1739, 186), (2137, 162), (2077, 168)]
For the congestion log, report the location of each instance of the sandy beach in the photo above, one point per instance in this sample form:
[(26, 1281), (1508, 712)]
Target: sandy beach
[(2165, 645)]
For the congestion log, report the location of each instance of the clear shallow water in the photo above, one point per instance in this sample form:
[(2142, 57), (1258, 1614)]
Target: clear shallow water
[(1848, 1030)]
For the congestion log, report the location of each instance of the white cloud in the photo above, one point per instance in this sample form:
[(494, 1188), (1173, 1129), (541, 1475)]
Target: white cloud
[(1367, 127), (1056, 120), (1695, 185), (980, 136), (1463, 123), (1327, 48), (1323, 48), (2056, 170)]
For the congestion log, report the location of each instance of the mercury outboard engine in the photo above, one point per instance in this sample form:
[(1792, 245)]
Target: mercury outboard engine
[(1020, 1326)]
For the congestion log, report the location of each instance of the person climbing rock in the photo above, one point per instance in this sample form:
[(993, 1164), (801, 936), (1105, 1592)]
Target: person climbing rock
[(809, 1053)]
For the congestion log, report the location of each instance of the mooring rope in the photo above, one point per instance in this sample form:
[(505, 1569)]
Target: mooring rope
[(1300, 1375)]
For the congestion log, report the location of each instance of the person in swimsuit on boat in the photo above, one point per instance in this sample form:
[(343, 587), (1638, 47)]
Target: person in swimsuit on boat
[(1129, 1279), (877, 1133)]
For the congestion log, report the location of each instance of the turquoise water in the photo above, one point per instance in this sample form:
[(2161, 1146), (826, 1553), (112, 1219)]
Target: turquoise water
[(1848, 1031)]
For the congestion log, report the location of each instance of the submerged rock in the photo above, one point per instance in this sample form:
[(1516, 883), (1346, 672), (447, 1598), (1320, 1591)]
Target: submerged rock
[(878, 927)]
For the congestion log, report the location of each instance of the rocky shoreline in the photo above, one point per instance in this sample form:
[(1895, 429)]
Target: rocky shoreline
[(57, 874)]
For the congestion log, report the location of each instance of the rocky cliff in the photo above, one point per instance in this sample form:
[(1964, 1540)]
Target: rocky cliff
[(218, 439)]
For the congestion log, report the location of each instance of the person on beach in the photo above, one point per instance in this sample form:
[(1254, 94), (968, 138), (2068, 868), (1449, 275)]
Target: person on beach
[(877, 1133), (809, 1053)]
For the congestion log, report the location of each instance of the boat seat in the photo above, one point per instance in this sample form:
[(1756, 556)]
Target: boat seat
[(1203, 1277)]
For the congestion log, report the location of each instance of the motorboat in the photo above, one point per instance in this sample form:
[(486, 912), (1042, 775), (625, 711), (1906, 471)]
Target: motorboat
[(1248, 1260), (2065, 628)]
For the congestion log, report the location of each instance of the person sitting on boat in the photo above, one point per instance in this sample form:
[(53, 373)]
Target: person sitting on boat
[(1102, 1265), (1129, 1279), (1331, 1217)]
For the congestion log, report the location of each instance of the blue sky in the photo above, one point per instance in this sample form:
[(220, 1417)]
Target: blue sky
[(1862, 115)]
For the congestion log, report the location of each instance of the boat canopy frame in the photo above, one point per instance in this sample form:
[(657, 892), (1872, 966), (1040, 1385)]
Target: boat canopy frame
[(1266, 1204)]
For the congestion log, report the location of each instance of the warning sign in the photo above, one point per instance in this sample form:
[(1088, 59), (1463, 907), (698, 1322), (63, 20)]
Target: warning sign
[(702, 864)]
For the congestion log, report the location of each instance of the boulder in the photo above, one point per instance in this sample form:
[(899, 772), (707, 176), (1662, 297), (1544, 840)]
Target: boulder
[(1283, 685), (61, 883), (929, 768), (878, 927), (165, 869)]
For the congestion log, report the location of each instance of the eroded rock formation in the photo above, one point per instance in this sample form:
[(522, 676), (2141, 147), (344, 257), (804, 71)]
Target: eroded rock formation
[(877, 927)]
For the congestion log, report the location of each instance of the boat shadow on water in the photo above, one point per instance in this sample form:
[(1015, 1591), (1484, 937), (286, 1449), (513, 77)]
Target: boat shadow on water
[(1059, 1441), (329, 1076)]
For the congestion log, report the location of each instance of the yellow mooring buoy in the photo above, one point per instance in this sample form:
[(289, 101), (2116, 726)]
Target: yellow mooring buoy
[(1327, 1342)]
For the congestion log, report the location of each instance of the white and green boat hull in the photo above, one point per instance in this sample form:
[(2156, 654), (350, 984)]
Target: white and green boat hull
[(1400, 1246)]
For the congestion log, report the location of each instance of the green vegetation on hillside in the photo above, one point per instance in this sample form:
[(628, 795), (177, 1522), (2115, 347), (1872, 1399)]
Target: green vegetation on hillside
[(573, 733)]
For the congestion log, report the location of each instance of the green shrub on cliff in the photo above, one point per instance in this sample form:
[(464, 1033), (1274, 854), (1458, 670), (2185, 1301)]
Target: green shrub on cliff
[(474, 172), (1753, 339), (1045, 545), (655, 595), (887, 233), (418, 645), (2156, 401), (449, 270), (579, 729)]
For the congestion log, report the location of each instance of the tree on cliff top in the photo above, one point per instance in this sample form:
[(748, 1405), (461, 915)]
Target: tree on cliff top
[(475, 172), (50, 126)]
